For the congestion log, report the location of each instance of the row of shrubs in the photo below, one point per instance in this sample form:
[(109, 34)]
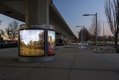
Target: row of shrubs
[(8, 44)]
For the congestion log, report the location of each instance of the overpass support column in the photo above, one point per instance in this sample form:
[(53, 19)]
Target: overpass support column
[(37, 12)]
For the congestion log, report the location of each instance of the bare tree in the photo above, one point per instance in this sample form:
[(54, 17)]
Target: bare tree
[(1, 31), (92, 28), (85, 33), (12, 30), (1, 21), (1, 34), (112, 14)]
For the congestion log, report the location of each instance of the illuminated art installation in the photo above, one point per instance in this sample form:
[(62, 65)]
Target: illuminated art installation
[(37, 43)]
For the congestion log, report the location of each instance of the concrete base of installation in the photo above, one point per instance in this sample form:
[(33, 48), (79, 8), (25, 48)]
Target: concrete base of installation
[(37, 59)]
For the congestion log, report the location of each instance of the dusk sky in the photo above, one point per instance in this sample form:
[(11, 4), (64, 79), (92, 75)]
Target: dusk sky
[(72, 11)]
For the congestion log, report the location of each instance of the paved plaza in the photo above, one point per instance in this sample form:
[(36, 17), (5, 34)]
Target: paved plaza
[(70, 64)]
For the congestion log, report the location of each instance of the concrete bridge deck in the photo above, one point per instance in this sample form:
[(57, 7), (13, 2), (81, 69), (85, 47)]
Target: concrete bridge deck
[(70, 64)]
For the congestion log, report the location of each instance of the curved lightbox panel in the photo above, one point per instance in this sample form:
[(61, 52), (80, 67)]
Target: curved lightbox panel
[(51, 42), (31, 42)]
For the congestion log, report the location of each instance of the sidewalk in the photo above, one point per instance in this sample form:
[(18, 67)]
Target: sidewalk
[(70, 64)]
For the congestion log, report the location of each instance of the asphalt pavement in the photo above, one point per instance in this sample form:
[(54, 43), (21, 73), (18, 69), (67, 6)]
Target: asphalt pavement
[(70, 64)]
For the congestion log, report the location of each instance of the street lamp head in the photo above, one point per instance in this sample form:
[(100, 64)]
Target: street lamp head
[(85, 14), (90, 14), (79, 26)]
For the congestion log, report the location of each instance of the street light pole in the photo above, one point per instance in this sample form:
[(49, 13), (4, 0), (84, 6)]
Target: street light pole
[(104, 32), (96, 38), (96, 32), (82, 34)]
